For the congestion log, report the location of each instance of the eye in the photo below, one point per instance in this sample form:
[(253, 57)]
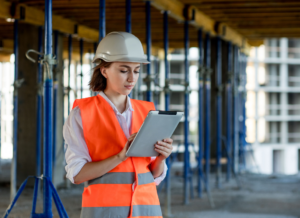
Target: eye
[(123, 71), (137, 72)]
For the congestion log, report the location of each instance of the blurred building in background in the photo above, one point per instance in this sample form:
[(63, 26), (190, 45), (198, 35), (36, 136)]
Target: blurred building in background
[(273, 106)]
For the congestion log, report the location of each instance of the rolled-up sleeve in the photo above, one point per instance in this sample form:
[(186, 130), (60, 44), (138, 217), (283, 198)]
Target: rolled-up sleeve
[(76, 151), (160, 178)]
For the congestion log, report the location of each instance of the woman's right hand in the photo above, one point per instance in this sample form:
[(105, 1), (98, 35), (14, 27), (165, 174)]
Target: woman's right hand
[(122, 154)]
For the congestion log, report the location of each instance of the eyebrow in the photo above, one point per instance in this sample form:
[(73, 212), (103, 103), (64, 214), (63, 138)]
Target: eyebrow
[(128, 66)]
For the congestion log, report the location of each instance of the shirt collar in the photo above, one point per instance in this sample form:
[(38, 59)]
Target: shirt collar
[(128, 103)]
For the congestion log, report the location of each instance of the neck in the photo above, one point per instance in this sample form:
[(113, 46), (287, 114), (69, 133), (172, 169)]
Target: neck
[(117, 99)]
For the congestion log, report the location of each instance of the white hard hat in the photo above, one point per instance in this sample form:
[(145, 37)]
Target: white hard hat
[(121, 47)]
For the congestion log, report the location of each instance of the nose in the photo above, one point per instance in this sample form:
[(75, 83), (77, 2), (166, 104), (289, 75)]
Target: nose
[(131, 76)]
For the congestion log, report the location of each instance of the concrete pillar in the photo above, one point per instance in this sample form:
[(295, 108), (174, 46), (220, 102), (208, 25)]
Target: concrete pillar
[(256, 94), (283, 48), (27, 95), (283, 94), (27, 100), (59, 169), (273, 45)]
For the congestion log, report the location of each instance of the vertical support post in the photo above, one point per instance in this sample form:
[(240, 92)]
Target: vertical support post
[(95, 49), (69, 69), (200, 114), (207, 110), (219, 109), (186, 113), (13, 179), (102, 25), (244, 94), (128, 16), (148, 42), (128, 25), (39, 107), (229, 112), (48, 110), (55, 87), (81, 66), (235, 112), (167, 103), (156, 72)]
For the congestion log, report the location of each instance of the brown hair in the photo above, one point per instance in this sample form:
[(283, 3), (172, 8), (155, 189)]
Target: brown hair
[(98, 81)]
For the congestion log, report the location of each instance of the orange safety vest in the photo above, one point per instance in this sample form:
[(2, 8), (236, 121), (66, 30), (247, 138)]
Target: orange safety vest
[(111, 195)]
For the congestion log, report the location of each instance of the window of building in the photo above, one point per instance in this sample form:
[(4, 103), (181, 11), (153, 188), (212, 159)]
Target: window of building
[(273, 130), (273, 104), (294, 48), (293, 131), (293, 106), (273, 48), (294, 75), (272, 75)]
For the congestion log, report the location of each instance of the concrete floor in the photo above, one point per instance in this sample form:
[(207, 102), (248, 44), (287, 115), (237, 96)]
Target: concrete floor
[(260, 196)]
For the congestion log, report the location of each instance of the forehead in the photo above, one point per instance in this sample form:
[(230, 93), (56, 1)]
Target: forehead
[(127, 64)]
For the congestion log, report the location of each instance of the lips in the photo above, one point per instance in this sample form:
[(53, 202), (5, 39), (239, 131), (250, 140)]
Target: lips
[(129, 87)]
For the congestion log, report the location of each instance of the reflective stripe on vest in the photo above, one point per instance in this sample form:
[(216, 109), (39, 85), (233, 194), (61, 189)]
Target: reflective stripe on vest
[(123, 178), (121, 212), (111, 195)]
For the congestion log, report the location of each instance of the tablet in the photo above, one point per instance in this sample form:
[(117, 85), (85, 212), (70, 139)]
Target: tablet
[(157, 126)]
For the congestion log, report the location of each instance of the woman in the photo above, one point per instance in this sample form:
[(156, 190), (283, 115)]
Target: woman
[(99, 131)]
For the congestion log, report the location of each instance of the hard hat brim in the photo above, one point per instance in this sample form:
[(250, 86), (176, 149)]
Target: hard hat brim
[(123, 59)]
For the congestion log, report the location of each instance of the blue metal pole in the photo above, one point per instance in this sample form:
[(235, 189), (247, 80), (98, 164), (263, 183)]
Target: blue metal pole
[(81, 66), (128, 16), (229, 112), (95, 49), (156, 72), (207, 111), (200, 114), (128, 24), (186, 112), (167, 103), (148, 41), (102, 26), (13, 181), (219, 109), (69, 69), (244, 63), (55, 87), (235, 113), (39, 108), (48, 113)]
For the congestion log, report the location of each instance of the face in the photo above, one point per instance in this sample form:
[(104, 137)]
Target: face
[(121, 76)]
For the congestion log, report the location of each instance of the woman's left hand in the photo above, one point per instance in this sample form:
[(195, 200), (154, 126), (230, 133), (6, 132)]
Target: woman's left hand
[(164, 148)]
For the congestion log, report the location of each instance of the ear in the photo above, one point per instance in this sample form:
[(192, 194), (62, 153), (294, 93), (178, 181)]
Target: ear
[(103, 72)]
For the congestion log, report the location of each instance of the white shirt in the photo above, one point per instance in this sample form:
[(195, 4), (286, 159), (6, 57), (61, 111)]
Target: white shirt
[(76, 150)]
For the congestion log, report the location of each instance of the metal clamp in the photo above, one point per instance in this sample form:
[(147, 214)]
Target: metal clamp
[(166, 88), (148, 81), (201, 71), (208, 71), (219, 89), (17, 84), (187, 89), (46, 60)]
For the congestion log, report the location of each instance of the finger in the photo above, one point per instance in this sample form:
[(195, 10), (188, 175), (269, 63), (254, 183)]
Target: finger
[(164, 148), (168, 140), (165, 154), (164, 144)]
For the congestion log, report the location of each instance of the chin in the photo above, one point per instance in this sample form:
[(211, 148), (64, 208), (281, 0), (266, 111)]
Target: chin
[(125, 92)]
